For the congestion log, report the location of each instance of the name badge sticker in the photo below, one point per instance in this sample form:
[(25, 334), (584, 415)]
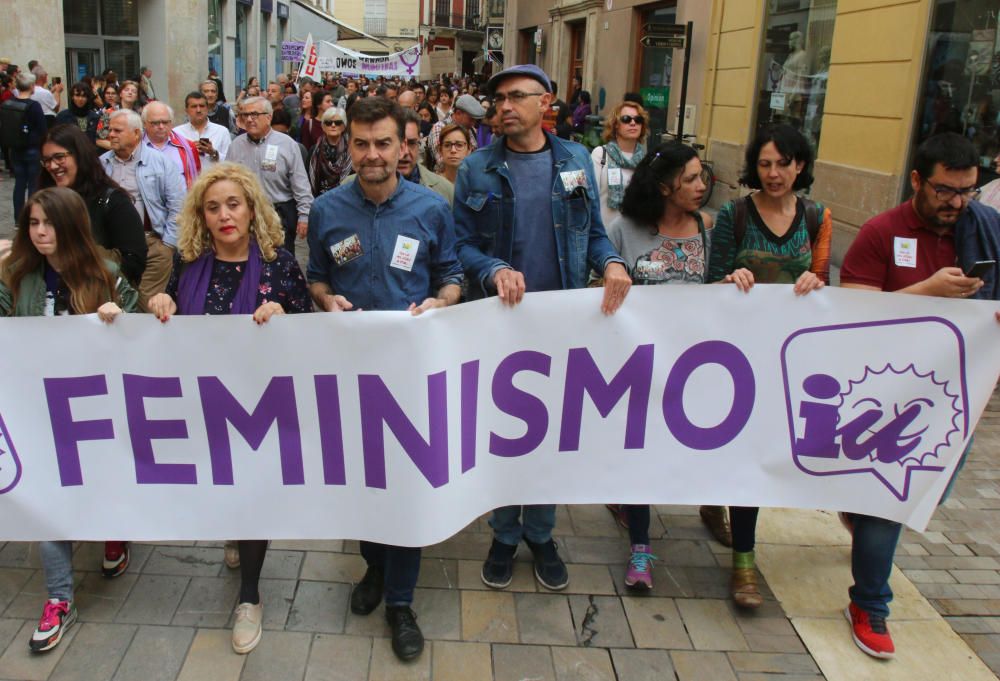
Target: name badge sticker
[(270, 161), (615, 176), (904, 251), (347, 250), (405, 253), (572, 179)]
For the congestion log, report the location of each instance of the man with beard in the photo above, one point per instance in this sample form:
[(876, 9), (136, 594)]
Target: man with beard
[(382, 243), (924, 247)]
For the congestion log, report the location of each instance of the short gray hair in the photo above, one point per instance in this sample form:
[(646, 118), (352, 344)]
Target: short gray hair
[(145, 109), (132, 118), (25, 81), (332, 112), (39, 70), (250, 101)]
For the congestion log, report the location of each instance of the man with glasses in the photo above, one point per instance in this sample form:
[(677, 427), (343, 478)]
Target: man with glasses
[(158, 118), (157, 192), (210, 140), (926, 246), (522, 206), (277, 161)]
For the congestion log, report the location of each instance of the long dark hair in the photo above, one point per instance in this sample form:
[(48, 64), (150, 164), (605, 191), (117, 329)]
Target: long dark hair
[(80, 266), (91, 180), (791, 144), (643, 201)]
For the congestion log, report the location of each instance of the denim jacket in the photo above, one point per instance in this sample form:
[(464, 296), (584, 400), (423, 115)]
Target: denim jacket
[(161, 187), (484, 216)]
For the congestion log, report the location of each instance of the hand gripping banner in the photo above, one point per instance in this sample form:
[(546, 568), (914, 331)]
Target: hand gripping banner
[(400, 429)]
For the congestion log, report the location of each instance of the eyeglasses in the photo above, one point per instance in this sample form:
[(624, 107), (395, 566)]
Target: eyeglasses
[(330, 124), (457, 146), (515, 97), (413, 143), (252, 115), (626, 119), (158, 124), (59, 157), (946, 194)]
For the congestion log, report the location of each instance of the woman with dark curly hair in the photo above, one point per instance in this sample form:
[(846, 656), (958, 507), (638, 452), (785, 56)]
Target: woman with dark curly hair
[(81, 111), (772, 236), (664, 239)]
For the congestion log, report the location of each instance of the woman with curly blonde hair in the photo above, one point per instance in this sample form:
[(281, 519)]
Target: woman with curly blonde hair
[(625, 132), (231, 260)]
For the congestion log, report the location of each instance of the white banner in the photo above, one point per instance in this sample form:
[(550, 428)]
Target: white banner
[(330, 57), (310, 61), (398, 429)]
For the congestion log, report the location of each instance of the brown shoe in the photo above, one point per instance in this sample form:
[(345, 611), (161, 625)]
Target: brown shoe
[(716, 519), (743, 586)]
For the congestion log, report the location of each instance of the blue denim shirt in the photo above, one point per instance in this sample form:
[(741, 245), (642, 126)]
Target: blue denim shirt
[(161, 187), (484, 216), (354, 244)]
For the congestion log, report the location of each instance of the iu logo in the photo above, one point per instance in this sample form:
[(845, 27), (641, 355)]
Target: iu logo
[(884, 399), (10, 464)]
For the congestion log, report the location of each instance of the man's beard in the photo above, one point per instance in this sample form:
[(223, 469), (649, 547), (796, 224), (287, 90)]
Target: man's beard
[(931, 216)]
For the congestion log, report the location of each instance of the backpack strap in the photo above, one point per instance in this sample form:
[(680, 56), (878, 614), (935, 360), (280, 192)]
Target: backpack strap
[(812, 220), (739, 221)]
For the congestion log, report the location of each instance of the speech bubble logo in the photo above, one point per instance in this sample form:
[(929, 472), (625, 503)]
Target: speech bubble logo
[(859, 402), (10, 463)]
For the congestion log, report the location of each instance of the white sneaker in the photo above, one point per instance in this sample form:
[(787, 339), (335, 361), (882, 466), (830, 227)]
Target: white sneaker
[(231, 554), (247, 628)]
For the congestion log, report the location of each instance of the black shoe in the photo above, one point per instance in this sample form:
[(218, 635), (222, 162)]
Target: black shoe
[(367, 593), (407, 639), (550, 570), (498, 569)]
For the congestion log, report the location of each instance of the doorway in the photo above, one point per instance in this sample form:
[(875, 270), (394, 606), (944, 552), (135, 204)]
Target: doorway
[(81, 62)]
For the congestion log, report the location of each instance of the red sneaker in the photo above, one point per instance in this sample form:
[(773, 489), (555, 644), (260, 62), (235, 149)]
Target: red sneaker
[(116, 558), (870, 633)]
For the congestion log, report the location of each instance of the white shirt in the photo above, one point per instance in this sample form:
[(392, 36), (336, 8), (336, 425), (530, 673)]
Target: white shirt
[(46, 99), (217, 135), (991, 194)]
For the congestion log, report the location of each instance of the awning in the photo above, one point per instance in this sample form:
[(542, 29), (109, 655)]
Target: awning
[(344, 31)]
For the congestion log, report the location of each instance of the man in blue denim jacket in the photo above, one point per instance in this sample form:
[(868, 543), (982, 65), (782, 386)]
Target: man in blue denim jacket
[(528, 218)]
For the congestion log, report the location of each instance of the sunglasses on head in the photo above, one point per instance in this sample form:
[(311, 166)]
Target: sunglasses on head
[(626, 119)]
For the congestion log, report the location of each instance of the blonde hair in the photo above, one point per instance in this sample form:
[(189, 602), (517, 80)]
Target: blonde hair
[(611, 122), (265, 227)]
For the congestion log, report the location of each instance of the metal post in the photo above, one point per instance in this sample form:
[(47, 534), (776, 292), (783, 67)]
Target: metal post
[(684, 80)]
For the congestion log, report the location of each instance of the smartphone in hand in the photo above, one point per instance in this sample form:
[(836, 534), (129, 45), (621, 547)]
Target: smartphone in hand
[(980, 268)]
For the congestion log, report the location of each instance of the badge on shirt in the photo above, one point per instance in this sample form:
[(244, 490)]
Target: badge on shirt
[(615, 176), (572, 179), (405, 253), (347, 250), (270, 161), (905, 251)]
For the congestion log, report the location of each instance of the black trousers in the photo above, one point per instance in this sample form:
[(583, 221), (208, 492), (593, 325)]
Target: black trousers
[(289, 215)]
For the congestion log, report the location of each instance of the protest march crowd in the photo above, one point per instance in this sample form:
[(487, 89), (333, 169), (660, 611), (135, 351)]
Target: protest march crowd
[(414, 196)]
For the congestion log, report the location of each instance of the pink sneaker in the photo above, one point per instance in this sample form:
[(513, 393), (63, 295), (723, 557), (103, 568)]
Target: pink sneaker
[(57, 616), (640, 568)]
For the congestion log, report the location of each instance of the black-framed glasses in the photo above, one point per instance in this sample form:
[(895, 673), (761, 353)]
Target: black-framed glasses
[(59, 158), (515, 97), (252, 115), (457, 146), (945, 193), (330, 124), (626, 119)]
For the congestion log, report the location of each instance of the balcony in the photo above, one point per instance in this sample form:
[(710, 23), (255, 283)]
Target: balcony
[(496, 9), (461, 22)]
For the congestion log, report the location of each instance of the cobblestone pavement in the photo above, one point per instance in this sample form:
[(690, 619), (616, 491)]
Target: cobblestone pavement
[(168, 617)]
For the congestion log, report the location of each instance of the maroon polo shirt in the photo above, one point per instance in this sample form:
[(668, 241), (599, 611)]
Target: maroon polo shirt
[(880, 255)]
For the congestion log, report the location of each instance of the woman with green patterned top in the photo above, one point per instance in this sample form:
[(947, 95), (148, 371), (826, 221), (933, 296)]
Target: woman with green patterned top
[(772, 236)]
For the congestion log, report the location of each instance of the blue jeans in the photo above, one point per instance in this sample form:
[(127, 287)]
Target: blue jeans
[(538, 522), (57, 562), (872, 549), (401, 567), (26, 169)]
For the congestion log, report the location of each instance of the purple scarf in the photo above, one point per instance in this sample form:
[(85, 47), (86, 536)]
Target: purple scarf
[(192, 289)]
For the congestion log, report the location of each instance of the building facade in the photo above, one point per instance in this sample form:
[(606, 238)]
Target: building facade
[(614, 47), (865, 80)]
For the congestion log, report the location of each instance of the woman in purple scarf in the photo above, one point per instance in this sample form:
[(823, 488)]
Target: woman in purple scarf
[(230, 260)]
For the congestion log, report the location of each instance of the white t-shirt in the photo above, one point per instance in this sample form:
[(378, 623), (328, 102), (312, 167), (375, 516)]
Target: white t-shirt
[(619, 175), (218, 135), (46, 99)]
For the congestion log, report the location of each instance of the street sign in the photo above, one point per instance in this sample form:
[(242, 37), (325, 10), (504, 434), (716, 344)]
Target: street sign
[(668, 42), (664, 29)]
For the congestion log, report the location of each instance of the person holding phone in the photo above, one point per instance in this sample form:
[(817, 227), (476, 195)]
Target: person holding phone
[(939, 243), (211, 141)]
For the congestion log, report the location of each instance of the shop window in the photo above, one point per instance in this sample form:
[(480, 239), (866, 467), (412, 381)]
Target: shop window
[(655, 68), (80, 17), (120, 17), (215, 36), (122, 57), (795, 64), (961, 85)]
